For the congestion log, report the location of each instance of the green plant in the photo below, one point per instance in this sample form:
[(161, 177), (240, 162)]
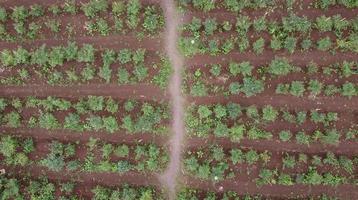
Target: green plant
[(290, 44), (269, 113), (258, 45), (297, 88), (133, 8), (285, 136), (280, 66), (3, 14), (205, 5), (324, 44)]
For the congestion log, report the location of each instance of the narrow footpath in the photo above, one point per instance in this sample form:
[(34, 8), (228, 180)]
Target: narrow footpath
[(169, 178)]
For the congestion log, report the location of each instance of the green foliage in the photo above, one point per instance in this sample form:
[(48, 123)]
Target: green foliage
[(324, 44), (36, 10), (70, 7), (258, 45), (252, 86), (86, 53), (13, 119), (290, 44), (349, 90), (280, 66), (315, 87), (133, 9), (324, 23), (204, 5), (19, 13), (48, 121), (269, 113), (93, 7), (198, 89), (243, 24), (3, 14), (152, 21), (285, 136), (297, 88)]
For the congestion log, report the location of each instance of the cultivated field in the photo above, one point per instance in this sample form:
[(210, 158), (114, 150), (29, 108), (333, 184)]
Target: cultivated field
[(179, 99)]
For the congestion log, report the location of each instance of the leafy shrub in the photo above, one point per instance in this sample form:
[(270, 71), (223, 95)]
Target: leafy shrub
[(349, 89), (258, 45), (324, 44), (3, 14), (280, 66), (19, 13), (205, 5), (133, 8), (285, 136), (269, 113), (70, 7), (252, 86), (297, 88), (93, 7), (36, 10)]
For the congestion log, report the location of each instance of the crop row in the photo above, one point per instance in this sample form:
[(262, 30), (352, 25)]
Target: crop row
[(237, 5), (196, 194), (131, 66), (95, 156), (93, 113), (191, 46), (244, 78), (209, 114), (279, 30), (277, 67), (103, 19), (216, 164), (42, 188), (236, 123)]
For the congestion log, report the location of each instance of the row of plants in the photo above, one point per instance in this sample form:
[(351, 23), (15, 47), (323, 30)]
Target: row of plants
[(190, 46), (237, 123), (326, 4), (197, 85), (233, 112), (215, 163), (217, 78), (43, 189), (99, 156), (236, 6), (276, 68), (299, 88), (103, 19), (93, 113), (311, 177), (53, 65), (105, 157), (279, 30), (196, 194), (338, 163)]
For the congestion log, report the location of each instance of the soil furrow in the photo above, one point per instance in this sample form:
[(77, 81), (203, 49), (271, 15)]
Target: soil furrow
[(106, 179), (329, 104), (345, 147), (274, 191), (139, 91), (68, 136), (299, 58), (113, 41)]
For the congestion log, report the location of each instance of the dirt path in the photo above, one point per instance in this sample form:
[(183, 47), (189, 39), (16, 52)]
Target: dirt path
[(169, 177)]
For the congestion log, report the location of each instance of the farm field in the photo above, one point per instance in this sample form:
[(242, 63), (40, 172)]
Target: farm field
[(179, 99)]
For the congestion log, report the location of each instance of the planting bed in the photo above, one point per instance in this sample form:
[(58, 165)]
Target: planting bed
[(179, 99)]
